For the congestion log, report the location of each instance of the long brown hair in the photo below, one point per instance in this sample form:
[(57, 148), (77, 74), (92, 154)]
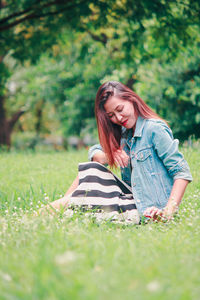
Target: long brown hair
[(110, 133)]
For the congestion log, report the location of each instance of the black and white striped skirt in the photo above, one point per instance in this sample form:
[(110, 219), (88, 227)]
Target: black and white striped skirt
[(104, 194)]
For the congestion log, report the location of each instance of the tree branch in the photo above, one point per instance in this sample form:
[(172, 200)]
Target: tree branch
[(189, 75), (99, 38), (2, 58), (37, 16), (15, 118), (17, 14), (130, 83), (29, 17)]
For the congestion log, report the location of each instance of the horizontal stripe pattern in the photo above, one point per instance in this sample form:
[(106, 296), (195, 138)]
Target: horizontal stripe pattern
[(99, 189), (95, 193), (103, 173), (98, 186), (97, 179), (96, 201), (95, 165), (94, 172)]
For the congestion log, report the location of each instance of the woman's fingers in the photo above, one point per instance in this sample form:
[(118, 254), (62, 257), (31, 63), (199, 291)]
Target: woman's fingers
[(119, 161), (121, 158), (157, 214), (148, 212), (153, 212)]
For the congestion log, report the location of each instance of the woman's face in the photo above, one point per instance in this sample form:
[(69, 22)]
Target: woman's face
[(120, 112)]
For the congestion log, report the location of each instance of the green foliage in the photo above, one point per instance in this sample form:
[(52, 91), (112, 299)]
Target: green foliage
[(173, 89), (145, 44), (29, 28)]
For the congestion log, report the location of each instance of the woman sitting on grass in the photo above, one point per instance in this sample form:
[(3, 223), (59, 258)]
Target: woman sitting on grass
[(133, 137)]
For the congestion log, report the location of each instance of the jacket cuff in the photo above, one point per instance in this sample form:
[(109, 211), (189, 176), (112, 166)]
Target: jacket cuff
[(181, 171), (93, 150)]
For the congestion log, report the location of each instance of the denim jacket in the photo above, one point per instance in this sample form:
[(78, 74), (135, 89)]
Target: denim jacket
[(155, 162)]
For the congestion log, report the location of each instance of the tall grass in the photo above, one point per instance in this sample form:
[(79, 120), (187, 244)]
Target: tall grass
[(56, 257)]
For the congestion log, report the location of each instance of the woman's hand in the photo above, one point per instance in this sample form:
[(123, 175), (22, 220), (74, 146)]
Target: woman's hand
[(100, 157), (121, 158), (157, 214)]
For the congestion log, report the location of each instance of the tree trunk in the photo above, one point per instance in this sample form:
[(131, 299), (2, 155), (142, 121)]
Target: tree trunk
[(4, 126), (39, 110), (130, 83), (7, 125)]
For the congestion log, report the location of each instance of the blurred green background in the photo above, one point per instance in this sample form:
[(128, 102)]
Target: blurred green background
[(55, 54)]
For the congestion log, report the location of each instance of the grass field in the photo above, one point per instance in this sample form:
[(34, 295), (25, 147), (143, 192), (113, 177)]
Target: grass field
[(54, 257)]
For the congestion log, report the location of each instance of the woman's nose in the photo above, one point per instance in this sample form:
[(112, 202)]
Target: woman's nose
[(118, 117)]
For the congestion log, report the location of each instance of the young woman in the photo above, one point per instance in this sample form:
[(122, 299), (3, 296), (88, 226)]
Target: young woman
[(137, 140)]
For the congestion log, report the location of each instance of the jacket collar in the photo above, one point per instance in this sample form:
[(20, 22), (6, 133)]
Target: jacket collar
[(139, 126), (138, 129)]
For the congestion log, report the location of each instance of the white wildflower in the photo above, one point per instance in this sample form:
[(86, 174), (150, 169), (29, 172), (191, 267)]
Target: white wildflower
[(6, 276), (153, 286), (66, 258), (69, 213)]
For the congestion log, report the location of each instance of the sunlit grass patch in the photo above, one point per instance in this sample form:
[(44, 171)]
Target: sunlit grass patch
[(62, 256)]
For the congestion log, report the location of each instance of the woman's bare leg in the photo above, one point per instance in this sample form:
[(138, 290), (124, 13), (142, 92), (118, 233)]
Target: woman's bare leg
[(73, 186), (62, 203)]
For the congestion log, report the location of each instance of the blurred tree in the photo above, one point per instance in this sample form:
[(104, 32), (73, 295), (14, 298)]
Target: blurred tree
[(173, 89), (130, 32), (67, 79), (29, 28)]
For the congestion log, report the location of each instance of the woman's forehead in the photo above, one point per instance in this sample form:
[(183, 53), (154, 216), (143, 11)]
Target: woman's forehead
[(112, 103)]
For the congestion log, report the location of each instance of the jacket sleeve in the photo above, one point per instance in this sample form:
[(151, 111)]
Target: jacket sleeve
[(167, 150), (93, 150)]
